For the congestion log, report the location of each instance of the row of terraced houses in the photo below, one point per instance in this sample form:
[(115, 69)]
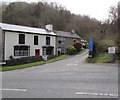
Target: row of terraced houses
[(21, 41)]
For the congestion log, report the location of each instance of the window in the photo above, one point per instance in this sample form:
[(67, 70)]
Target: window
[(21, 50), (47, 40), (74, 41), (44, 51), (48, 50), (35, 40), (61, 51), (21, 39), (61, 40)]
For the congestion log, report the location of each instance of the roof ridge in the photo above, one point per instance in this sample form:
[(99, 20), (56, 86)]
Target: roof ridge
[(20, 28)]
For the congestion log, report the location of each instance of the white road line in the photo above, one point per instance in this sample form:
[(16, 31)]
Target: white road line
[(72, 64), (7, 89), (97, 94)]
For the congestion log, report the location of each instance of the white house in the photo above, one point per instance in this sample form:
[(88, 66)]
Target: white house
[(21, 41)]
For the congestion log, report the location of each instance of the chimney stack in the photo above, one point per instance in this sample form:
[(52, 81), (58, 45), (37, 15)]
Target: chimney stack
[(73, 31), (49, 27)]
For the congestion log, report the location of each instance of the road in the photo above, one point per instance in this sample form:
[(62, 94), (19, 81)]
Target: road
[(68, 78)]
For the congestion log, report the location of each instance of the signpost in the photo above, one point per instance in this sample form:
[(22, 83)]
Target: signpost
[(91, 44), (90, 48), (111, 51)]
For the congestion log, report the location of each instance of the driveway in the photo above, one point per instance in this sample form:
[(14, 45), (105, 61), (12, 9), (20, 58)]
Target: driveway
[(68, 78)]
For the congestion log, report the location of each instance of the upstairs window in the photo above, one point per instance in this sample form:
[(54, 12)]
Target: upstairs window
[(21, 39), (74, 41), (47, 40), (35, 40), (61, 40)]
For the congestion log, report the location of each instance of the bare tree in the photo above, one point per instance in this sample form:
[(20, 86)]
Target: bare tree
[(113, 13)]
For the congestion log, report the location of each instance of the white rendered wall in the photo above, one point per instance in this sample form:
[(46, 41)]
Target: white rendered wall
[(53, 43), (12, 39)]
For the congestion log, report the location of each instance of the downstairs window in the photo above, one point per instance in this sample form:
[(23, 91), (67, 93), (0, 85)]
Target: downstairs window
[(21, 50)]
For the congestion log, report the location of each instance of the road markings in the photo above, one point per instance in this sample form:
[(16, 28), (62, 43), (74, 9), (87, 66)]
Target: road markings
[(7, 89), (73, 63), (97, 94)]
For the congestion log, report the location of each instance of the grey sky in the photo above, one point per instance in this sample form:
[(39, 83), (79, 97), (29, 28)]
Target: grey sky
[(94, 8)]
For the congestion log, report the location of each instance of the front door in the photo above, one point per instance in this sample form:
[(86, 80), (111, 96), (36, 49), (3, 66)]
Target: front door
[(37, 52)]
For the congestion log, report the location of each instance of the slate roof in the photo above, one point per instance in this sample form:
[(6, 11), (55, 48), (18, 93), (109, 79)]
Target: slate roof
[(66, 34), (18, 28)]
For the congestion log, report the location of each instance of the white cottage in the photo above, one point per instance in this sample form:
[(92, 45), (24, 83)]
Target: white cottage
[(21, 41)]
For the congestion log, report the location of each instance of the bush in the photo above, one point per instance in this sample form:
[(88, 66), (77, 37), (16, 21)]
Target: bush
[(102, 46), (23, 60), (71, 50), (78, 46), (100, 58)]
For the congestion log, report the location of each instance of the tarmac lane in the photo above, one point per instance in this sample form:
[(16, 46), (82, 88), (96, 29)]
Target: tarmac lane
[(68, 78)]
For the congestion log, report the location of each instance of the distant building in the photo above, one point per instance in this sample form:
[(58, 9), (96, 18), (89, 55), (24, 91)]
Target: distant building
[(21, 41), (84, 43), (64, 39)]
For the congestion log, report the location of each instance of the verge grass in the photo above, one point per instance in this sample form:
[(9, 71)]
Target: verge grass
[(6, 68), (101, 58)]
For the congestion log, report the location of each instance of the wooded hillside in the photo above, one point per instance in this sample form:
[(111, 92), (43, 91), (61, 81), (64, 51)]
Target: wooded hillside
[(41, 13)]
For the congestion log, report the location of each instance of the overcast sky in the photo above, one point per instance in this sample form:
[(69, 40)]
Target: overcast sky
[(94, 8)]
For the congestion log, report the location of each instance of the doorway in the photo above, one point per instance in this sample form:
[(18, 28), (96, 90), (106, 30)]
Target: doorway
[(37, 52)]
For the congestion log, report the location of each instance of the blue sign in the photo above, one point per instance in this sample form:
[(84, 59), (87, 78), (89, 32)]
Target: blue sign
[(91, 44)]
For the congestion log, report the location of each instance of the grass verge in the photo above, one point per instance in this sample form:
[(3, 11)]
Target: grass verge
[(6, 68), (101, 58)]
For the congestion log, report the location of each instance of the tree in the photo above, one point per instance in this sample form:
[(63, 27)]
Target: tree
[(42, 13), (78, 46), (118, 39), (113, 13)]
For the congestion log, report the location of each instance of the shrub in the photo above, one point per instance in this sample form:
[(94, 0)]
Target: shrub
[(77, 45), (102, 46), (71, 50), (23, 60)]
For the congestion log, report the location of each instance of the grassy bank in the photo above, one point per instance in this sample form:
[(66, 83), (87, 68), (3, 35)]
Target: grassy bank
[(101, 58), (33, 64)]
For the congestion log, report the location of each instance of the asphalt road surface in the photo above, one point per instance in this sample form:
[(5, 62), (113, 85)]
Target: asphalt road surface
[(68, 78)]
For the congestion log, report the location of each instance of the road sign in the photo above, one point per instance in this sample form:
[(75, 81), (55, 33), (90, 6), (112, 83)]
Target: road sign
[(111, 49), (91, 44), (2, 63)]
